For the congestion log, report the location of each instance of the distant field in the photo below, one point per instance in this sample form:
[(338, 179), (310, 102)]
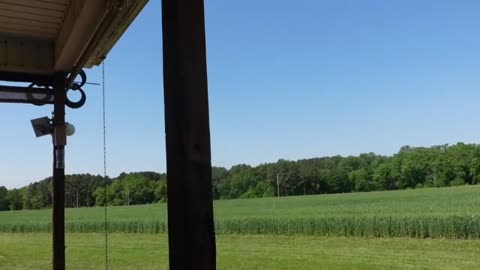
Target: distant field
[(398, 230), (435, 212), (246, 252)]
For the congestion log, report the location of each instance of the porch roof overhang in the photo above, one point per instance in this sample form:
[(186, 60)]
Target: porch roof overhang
[(42, 37)]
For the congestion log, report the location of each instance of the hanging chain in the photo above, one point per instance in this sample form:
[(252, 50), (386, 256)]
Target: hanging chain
[(105, 182)]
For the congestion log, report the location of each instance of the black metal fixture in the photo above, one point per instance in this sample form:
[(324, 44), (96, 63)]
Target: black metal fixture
[(41, 92), (53, 90)]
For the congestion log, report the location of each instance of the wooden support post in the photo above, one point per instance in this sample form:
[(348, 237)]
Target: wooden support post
[(190, 207), (59, 141)]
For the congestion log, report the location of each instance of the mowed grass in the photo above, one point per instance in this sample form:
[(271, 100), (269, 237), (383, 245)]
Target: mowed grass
[(423, 213), (245, 252)]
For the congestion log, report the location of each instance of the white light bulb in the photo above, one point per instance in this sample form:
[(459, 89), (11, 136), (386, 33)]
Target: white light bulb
[(70, 129)]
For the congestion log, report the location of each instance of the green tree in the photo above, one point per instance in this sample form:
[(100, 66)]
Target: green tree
[(15, 199), (99, 195), (160, 191), (4, 199)]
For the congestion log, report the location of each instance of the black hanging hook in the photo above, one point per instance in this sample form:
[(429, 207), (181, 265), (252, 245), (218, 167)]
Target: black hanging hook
[(79, 103), (77, 86)]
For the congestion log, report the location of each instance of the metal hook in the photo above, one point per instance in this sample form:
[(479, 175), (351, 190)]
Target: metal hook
[(78, 104), (83, 81)]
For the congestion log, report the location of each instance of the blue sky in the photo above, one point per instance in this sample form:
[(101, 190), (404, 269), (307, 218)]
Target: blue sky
[(287, 79)]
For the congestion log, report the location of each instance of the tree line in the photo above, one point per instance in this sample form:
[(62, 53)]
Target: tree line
[(411, 167), (86, 190)]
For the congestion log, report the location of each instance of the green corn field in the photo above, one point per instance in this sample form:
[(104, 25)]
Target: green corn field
[(422, 213)]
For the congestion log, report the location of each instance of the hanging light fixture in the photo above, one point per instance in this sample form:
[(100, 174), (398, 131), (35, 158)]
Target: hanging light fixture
[(43, 126)]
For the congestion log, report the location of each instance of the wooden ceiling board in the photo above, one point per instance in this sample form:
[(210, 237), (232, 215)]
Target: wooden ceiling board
[(47, 36), (32, 18), (12, 32), (28, 16), (32, 10), (51, 32), (38, 4), (20, 22)]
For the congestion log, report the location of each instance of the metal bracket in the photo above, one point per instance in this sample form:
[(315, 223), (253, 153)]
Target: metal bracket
[(41, 94), (29, 95)]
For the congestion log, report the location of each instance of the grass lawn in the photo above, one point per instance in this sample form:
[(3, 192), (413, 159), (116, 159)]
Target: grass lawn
[(246, 252)]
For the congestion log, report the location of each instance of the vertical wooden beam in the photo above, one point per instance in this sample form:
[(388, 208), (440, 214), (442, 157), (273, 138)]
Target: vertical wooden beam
[(59, 141), (190, 206)]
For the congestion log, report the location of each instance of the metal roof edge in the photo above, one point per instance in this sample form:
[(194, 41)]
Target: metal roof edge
[(115, 31)]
